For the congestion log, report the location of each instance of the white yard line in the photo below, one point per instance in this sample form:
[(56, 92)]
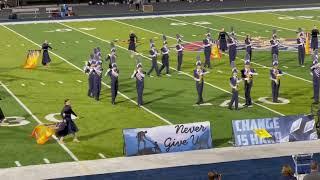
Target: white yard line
[(79, 81), (46, 161), (143, 107), (43, 84), (38, 121), (297, 77), (293, 16), (60, 82), (18, 164), (276, 112), (102, 156)]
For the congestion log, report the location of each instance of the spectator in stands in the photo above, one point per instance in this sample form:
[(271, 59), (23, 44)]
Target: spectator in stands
[(314, 174), (2, 5), (287, 173), (214, 176), (137, 4)]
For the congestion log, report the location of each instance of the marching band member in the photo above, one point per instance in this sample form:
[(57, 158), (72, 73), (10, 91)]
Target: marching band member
[(301, 48), (234, 83), (114, 74), (207, 43), (88, 69), (315, 70), (179, 49), (139, 75), (314, 38), (248, 45), (132, 42), (223, 40), (112, 57), (165, 58), (97, 70), (198, 74), (274, 45), (153, 54), (247, 76), (232, 45), (45, 55), (275, 74)]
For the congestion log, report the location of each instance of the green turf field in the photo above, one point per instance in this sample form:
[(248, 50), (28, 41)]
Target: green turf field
[(167, 99)]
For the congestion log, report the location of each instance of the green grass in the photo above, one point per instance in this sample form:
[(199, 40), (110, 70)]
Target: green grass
[(172, 98)]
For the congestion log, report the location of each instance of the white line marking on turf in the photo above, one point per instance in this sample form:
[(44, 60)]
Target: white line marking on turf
[(90, 41), (43, 84), (79, 81), (8, 45), (39, 122), (60, 82), (23, 85), (68, 62), (227, 54), (22, 44), (18, 164), (285, 67), (77, 42), (63, 42), (102, 156), (219, 71), (46, 161), (276, 112), (285, 8)]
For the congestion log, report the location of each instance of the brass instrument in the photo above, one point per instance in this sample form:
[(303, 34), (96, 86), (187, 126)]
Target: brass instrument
[(276, 73)]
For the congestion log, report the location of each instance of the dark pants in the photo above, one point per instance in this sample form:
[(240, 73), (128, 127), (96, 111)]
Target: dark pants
[(199, 86), (207, 54), (165, 64), (114, 91), (275, 90), (232, 55), (247, 92), (140, 87), (314, 43), (154, 67), (90, 84), (234, 99), (180, 57), (249, 51), (301, 54), (96, 86), (275, 50), (316, 89)]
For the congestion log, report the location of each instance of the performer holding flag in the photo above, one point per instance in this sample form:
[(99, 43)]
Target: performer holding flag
[(275, 74), (207, 43), (165, 56), (315, 70), (154, 55), (248, 45), (132, 42), (198, 74), (223, 36), (45, 55), (114, 74), (179, 49), (139, 75), (234, 83), (314, 38), (301, 48), (247, 76)]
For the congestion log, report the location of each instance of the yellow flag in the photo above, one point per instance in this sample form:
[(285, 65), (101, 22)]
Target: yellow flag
[(32, 59), (42, 133), (215, 53), (262, 133), (307, 47)]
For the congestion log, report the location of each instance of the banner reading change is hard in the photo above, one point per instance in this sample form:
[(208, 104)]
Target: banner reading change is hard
[(281, 129), (164, 139)]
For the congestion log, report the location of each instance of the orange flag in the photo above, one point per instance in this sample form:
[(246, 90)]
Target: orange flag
[(215, 53), (42, 133)]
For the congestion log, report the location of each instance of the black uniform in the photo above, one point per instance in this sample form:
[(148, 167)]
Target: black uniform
[(315, 77), (248, 46), (70, 127), (198, 76), (246, 75), (274, 47), (223, 41), (45, 55), (275, 83), (207, 52), (114, 73), (301, 50), (232, 51), (139, 75), (154, 66), (235, 93), (132, 42), (314, 39), (97, 81), (179, 49), (165, 59), (112, 59)]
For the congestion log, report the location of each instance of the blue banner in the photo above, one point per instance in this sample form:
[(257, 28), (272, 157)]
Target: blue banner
[(165, 139), (282, 129)]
